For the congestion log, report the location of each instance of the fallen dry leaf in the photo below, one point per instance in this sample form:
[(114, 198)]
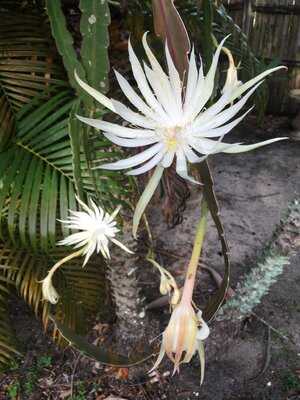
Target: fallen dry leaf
[(65, 393), (111, 397)]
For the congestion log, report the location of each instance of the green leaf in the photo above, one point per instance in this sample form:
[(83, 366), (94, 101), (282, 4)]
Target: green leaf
[(208, 47), (75, 132), (216, 300), (7, 123), (64, 41), (94, 23)]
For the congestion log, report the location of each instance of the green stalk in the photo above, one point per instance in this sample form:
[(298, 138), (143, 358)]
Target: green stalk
[(194, 261)]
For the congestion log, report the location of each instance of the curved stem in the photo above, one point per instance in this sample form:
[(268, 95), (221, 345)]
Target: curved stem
[(64, 260), (189, 283)]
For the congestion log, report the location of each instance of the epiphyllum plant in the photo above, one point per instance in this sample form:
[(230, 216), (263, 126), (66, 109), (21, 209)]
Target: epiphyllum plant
[(172, 119), (95, 229)]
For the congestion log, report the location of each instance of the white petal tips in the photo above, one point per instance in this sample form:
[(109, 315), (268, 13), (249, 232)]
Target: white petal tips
[(105, 101)]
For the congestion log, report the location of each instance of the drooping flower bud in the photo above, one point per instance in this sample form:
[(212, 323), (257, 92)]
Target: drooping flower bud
[(232, 81), (181, 338), (49, 292)]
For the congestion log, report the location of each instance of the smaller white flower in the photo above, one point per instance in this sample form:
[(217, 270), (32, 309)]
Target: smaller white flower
[(96, 227), (49, 292)]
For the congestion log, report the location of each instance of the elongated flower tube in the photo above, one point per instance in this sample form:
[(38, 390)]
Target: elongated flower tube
[(171, 120), (186, 329), (96, 229)]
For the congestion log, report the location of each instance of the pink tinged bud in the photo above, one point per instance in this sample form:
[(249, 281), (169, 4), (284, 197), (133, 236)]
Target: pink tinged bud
[(182, 336)]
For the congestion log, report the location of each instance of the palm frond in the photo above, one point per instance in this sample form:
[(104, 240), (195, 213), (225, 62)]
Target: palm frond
[(82, 291), (46, 156), (8, 342), (28, 65)]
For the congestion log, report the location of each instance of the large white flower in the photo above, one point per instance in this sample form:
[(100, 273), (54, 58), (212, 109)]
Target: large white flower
[(171, 120), (96, 228)]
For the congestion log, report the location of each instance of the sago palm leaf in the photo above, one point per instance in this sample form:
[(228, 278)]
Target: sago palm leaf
[(46, 156), (38, 183), (8, 342), (28, 65), (81, 291)]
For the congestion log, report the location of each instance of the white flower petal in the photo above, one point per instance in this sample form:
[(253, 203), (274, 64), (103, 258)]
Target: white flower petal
[(115, 213), (204, 93), (191, 80), (133, 117), (96, 229), (225, 115), (209, 146), (83, 205), (159, 358), (129, 142), (204, 331), (201, 353), (191, 156), (142, 83), (153, 60), (174, 79), (122, 246), (105, 101), (216, 132), (134, 98), (88, 254), (148, 165), (163, 93), (168, 159), (247, 85), (181, 167), (146, 197), (134, 160), (117, 129), (241, 148), (73, 238)]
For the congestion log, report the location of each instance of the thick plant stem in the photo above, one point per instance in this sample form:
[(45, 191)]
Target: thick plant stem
[(193, 264)]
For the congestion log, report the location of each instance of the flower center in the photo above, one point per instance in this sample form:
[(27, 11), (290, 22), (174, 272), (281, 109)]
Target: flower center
[(100, 231), (172, 137)]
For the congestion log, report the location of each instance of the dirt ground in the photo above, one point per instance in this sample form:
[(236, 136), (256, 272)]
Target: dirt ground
[(254, 190)]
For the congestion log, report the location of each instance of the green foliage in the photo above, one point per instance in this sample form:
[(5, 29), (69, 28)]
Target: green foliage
[(46, 157), (290, 381), (13, 390), (80, 392), (95, 41), (64, 41)]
